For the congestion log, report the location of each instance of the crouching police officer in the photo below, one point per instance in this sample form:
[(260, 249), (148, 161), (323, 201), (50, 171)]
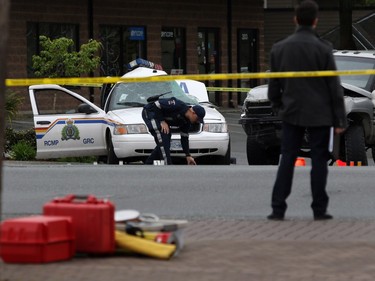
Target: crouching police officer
[(162, 114)]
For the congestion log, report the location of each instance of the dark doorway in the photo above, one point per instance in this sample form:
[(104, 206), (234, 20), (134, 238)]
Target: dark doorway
[(208, 58)]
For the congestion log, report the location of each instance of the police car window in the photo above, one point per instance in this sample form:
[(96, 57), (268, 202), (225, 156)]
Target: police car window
[(51, 101), (135, 94), (181, 95)]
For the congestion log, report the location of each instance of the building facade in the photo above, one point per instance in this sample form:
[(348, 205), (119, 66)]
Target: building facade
[(189, 37), (184, 36)]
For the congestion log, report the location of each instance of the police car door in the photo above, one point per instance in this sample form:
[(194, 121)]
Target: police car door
[(66, 124)]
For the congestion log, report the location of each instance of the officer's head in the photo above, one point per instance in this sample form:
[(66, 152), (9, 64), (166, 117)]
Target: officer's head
[(196, 114)]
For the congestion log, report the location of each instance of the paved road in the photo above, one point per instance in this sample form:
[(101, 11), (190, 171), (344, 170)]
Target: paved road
[(241, 192)]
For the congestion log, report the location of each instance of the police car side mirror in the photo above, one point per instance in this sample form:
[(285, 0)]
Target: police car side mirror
[(85, 108)]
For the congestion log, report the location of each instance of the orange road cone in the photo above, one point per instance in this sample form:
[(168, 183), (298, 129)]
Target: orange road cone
[(300, 162)]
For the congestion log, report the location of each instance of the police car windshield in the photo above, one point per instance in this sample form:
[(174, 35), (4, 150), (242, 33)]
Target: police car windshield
[(356, 63), (135, 94)]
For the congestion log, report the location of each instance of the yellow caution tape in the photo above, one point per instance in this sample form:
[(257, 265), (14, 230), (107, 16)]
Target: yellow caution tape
[(224, 89), (218, 76)]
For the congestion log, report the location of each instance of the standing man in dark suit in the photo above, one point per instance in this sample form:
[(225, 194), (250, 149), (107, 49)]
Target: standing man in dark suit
[(305, 104)]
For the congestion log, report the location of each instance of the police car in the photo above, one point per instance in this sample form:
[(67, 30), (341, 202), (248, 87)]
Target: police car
[(67, 124)]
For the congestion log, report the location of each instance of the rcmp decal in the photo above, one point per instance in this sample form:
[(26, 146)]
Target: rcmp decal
[(41, 132), (51, 142), (70, 131)]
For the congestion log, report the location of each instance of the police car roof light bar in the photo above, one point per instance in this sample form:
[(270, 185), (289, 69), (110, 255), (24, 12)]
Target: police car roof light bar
[(145, 63)]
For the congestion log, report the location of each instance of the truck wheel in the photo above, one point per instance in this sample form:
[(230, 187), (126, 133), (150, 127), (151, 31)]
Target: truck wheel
[(111, 156), (355, 147), (258, 155), (373, 153)]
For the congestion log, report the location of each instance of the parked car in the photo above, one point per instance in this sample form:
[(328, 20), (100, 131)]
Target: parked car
[(67, 124), (263, 126)]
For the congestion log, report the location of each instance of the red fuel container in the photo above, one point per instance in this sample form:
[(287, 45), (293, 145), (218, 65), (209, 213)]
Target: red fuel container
[(93, 220), (37, 239)]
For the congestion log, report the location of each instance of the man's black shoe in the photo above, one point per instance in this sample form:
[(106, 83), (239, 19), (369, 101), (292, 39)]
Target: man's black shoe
[(323, 217), (275, 217)]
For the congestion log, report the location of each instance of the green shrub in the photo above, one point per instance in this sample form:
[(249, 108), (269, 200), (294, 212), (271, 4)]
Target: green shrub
[(12, 104), (83, 159), (22, 151), (12, 137)]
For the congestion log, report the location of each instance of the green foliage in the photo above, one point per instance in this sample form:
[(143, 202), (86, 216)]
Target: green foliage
[(83, 159), (12, 104), (58, 60), (12, 137), (22, 151), (21, 146)]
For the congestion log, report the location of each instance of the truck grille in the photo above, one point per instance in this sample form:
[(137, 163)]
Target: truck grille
[(258, 108)]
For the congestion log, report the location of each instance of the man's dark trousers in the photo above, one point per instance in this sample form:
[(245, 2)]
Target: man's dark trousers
[(292, 137)]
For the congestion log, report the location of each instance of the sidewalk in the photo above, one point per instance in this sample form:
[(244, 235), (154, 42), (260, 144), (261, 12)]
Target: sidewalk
[(291, 250)]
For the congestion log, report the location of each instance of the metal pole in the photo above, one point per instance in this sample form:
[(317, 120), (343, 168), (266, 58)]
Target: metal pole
[(229, 44), (90, 24), (4, 25)]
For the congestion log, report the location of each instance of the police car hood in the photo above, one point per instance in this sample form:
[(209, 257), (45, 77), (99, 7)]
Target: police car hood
[(134, 115)]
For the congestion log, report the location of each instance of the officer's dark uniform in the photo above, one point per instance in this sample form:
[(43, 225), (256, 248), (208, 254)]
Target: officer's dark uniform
[(172, 111)]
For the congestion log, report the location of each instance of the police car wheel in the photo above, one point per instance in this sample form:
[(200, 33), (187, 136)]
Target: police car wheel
[(111, 156)]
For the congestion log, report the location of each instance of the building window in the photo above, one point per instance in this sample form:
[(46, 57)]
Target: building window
[(173, 50), (121, 44), (51, 30)]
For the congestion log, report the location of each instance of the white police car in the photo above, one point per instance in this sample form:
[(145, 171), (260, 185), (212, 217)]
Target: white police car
[(67, 124)]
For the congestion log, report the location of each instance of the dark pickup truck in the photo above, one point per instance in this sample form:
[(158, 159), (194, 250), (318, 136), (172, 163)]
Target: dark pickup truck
[(263, 126)]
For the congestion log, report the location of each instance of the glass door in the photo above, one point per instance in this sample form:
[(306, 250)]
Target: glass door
[(209, 58), (247, 44)]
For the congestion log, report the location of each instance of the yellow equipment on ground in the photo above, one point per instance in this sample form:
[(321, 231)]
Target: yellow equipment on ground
[(144, 246)]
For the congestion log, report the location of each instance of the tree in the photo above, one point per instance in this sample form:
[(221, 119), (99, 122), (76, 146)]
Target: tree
[(57, 60)]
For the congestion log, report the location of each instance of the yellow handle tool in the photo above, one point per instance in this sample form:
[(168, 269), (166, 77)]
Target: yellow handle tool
[(143, 246)]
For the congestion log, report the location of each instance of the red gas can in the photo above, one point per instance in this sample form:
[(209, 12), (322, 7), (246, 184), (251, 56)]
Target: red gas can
[(93, 220), (37, 239)]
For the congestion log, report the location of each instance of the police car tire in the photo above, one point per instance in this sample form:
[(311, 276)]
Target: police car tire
[(111, 156), (224, 160)]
